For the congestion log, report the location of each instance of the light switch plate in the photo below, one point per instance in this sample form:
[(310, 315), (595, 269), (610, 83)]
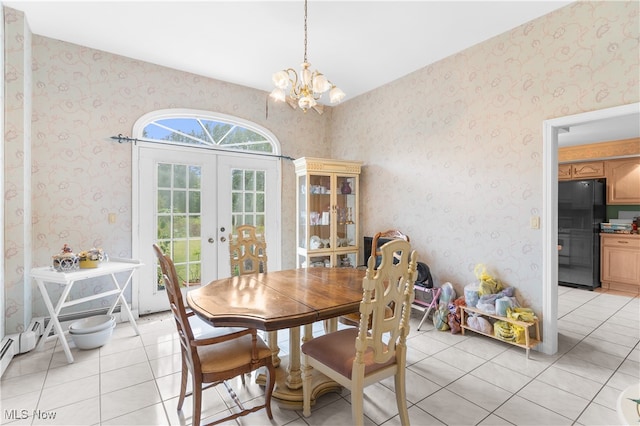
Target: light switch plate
[(535, 222)]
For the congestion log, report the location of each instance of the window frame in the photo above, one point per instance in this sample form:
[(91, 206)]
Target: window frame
[(183, 113)]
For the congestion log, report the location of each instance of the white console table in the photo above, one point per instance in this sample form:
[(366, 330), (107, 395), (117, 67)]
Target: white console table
[(67, 279)]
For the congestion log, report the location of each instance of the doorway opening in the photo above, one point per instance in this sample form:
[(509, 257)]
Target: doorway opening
[(551, 129)]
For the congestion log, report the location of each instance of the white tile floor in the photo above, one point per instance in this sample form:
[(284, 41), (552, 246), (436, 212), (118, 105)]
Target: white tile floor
[(452, 379)]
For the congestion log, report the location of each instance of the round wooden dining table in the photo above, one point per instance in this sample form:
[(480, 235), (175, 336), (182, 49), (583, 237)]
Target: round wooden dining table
[(279, 300)]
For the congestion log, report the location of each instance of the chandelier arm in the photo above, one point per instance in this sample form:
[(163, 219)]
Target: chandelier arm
[(294, 91), (294, 80)]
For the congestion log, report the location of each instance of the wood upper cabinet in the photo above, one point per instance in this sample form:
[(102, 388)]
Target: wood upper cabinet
[(564, 171), (583, 170), (592, 169), (591, 161), (623, 181)]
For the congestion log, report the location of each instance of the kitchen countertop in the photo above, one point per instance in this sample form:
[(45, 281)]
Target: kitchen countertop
[(615, 234)]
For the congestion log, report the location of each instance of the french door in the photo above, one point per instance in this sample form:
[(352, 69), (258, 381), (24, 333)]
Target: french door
[(189, 201)]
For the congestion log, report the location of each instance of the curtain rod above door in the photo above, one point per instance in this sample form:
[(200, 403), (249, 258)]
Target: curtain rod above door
[(122, 139)]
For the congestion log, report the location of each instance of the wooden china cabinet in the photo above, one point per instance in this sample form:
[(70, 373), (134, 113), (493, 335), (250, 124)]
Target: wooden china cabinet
[(327, 203)]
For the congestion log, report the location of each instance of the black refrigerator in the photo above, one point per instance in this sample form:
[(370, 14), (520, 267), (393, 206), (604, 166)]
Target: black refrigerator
[(581, 210)]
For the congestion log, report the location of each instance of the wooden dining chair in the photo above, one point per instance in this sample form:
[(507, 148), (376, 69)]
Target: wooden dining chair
[(359, 357), (248, 255), (354, 319), (215, 356), (247, 251)]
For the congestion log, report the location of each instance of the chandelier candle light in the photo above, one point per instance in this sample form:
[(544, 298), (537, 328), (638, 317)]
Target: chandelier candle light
[(309, 86)]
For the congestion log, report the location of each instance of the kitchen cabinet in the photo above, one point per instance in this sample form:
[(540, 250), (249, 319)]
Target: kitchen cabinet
[(623, 181), (582, 170), (327, 202), (529, 342), (564, 171), (620, 262)]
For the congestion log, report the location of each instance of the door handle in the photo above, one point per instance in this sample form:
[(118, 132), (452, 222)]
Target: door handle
[(210, 240), (223, 239)]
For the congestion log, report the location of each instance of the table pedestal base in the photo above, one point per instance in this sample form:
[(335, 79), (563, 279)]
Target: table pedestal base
[(291, 399)]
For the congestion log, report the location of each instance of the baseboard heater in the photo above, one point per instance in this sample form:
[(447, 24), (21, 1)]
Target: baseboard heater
[(15, 344), (7, 353)]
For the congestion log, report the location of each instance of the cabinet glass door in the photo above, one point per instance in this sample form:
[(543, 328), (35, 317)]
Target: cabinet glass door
[(320, 220), (346, 216), (303, 218)]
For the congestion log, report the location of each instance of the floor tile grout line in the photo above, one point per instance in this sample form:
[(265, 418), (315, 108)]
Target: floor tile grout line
[(155, 381), (580, 339), (604, 384)]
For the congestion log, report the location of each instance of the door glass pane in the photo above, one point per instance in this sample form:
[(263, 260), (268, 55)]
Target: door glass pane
[(180, 252), (260, 178), (194, 228), (164, 201), (194, 201), (179, 176), (194, 177), (249, 179), (248, 198), (179, 226), (164, 175), (260, 202), (236, 202), (164, 228), (248, 202), (178, 219), (236, 179), (179, 201)]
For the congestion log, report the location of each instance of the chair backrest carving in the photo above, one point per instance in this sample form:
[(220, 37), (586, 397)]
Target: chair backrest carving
[(388, 234), (386, 304), (247, 251)]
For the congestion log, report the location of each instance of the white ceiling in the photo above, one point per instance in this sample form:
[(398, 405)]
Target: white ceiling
[(611, 129), (359, 45)]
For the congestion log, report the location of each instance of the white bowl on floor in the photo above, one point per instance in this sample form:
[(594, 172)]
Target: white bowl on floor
[(92, 340), (92, 324)]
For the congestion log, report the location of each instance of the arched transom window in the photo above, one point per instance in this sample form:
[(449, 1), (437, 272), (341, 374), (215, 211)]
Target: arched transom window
[(203, 129)]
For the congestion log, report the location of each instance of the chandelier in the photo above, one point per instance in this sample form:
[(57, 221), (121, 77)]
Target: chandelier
[(307, 87)]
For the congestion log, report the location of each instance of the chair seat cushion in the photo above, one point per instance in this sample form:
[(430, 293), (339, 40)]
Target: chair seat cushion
[(231, 354), (338, 350)]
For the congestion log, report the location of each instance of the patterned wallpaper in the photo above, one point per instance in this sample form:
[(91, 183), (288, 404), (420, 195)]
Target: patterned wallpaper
[(81, 97), (451, 152)]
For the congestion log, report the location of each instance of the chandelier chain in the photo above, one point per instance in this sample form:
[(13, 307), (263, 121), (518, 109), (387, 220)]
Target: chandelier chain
[(305, 31)]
